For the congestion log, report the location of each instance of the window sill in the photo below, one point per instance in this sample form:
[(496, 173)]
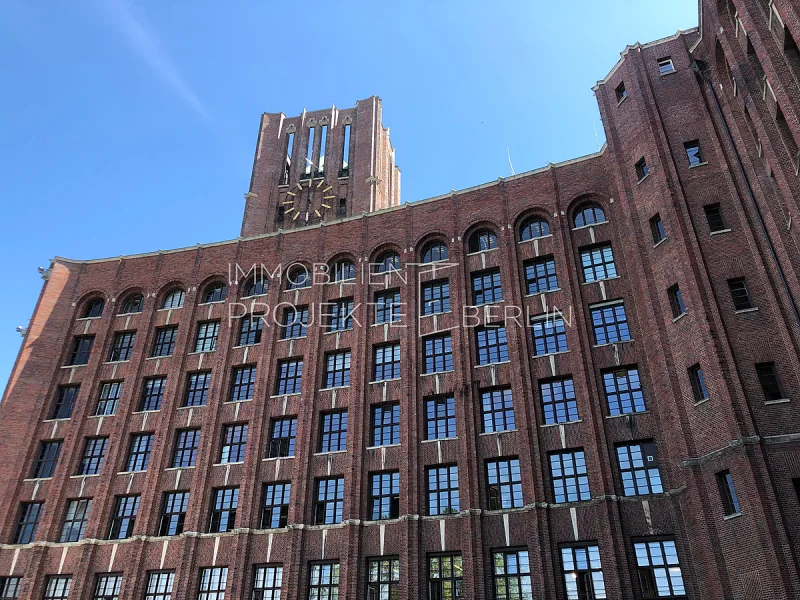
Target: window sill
[(330, 452), (289, 339), (248, 345), (619, 102), (37, 478), (603, 279), (384, 381), (238, 401), (668, 73), (436, 373), (720, 231), (128, 314), (256, 296), (702, 164), (589, 225), (166, 309), (158, 357), (117, 362), (284, 395), (145, 412), (502, 362), (84, 476), (389, 323), (544, 425), (238, 462), (780, 401), (200, 352), (383, 446), (549, 235), (643, 179), (437, 440), (487, 433), (74, 366), (131, 472), (55, 420), (178, 468), (332, 331), (558, 289), (699, 402), (447, 312), (210, 303), (299, 289), (188, 407), (100, 416), (274, 458), (746, 310), (481, 252), (336, 387), (630, 414), (89, 318), (679, 317), (658, 243), (613, 343), (550, 354), (732, 516)]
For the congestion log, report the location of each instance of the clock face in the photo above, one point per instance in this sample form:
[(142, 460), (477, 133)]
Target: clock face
[(308, 200)]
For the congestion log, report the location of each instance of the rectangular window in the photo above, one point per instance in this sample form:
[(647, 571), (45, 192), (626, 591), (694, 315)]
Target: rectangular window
[(442, 490), (295, 323), (159, 585), (309, 154), (445, 577), (164, 343), (30, 513), (337, 369), (583, 573), (139, 454), (387, 307), (383, 578), (569, 476), (281, 442), (497, 406), (512, 575), (213, 582), (621, 92), (94, 451), (341, 207), (173, 513), (559, 403), (659, 569), (267, 582), (275, 505), (57, 587), (638, 465), (665, 65), (110, 393), (153, 393), (323, 142), (698, 381), (243, 383), (48, 458), (739, 294), (186, 444), (438, 353), (250, 330), (657, 229), (676, 301), (107, 587), (436, 297), (124, 517), (207, 334), (714, 218), (486, 287), (65, 403), (234, 441), (323, 579), (540, 275), (224, 502), (287, 163), (329, 501), (492, 345), (9, 587), (385, 424), (440, 418), (384, 495), (730, 502), (386, 362), (549, 335), (504, 483), (345, 171), (333, 431), (75, 520), (642, 170), (81, 350), (610, 323), (693, 153), (340, 317), (197, 385), (290, 376), (624, 393), (122, 348), (770, 384), (598, 263)]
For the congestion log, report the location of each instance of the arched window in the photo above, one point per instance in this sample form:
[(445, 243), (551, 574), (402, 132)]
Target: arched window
[(344, 270), (589, 214), (258, 285), (434, 252), (133, 304), (174, 299), (533, 228), (298, 278), (94, 308), (482, 240), (387, 262), (215, 292)]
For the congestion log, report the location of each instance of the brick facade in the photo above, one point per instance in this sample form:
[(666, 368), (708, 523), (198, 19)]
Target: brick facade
[(746, 124)]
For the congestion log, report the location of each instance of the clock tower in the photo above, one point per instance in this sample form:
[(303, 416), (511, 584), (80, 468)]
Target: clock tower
[(319, 167)]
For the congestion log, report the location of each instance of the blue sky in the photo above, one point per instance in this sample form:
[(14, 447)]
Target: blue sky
[(119, 115)]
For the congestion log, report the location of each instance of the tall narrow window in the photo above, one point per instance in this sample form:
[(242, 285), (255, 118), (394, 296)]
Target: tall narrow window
[(770, 384), (345, 170), (384, 495), (443, 496), (77, 516), (337, 369), (693, 153), (329, 501), (569, 476), (250, 330), (512, 575), (323, 144), (224, 503), (48, 458), (275, 505), (124, 517), (234, 441), (504, 483), (385, 424), (497, 406), (122, 348), (657, 229), (610, 323), (107, 587), (110, 393), (445, 577), (676, 301), (153, 393), (383, 578), (139, 454), (267, 582), (659, 569), (698, 381), (730, 502), (287, 163), (207, 334), (94, 451), (30, 513), (309, 153), (159, 585), (282, 438), (213, 582), (638, 465), (558, 400), (438, 353), (714, 217), (290, 376), (65, 403), (739, 294), (583, 575), (623, 389), (333, 431), (197, 385), (173, 513), (642, 170), (186, 443), (440, 418), (81, 350), (621, 92), (323, 580), (243, 383)]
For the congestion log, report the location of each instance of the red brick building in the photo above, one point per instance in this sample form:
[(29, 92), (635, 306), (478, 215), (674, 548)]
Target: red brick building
[(615, 417)]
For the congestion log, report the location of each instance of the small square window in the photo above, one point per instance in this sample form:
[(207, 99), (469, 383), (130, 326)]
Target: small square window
[(693, 153), (621, 92), (770, 384), (739, 294), (665, 66), (642, 170), (657, 229)]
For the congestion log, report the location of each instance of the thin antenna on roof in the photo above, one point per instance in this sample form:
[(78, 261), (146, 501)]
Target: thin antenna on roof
[(596, 139), (510, 166)]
